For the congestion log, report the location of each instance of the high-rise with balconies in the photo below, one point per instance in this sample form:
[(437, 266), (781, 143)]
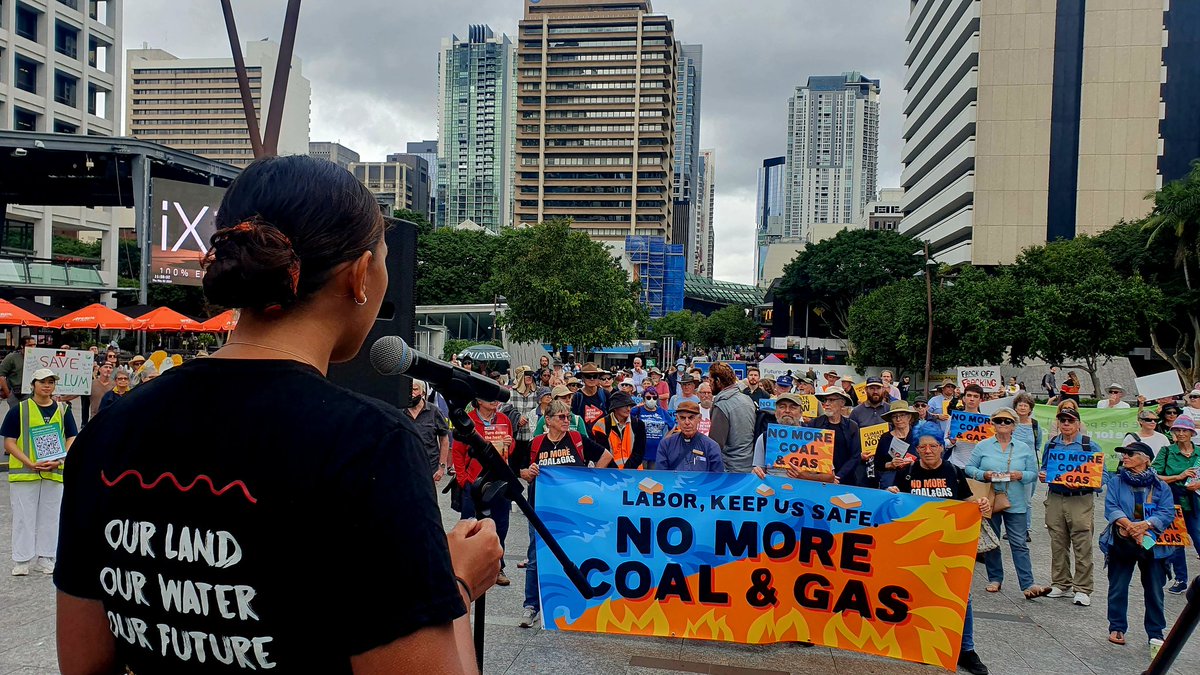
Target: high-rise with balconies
[(595, 116)]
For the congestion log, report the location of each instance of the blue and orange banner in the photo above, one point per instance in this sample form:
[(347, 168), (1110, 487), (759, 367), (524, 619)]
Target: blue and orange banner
[(1176, 534), (969, 427), (1075, 469), (734, 558)]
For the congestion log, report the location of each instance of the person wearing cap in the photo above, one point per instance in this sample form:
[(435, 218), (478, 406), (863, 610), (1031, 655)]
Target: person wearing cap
[(562, 393), (35, 485), (606, 384), (1178, 465), (1009, 465), (831, 382), (655, 382), (495, 427), (658, 422), (733, 420), (686, 392), (805, 387), (939, 406), (789, 413), (847, 454), (689, 450), (468, 363), (121, 386), (866, 414), (591, 401), (1115, 393), (1137, 504), (921, 407), (626, 386), (783, 385), (1192, 407), (897, 448), (624, 437), (1069, 515)]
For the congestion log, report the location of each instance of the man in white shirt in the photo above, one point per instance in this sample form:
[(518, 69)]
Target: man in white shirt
[(1192, 409), (1115, 393), (638, 373)]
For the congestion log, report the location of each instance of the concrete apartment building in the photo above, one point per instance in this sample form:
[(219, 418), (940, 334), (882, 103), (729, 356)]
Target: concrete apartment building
[(885, 211), (1033, 121), (428, 151), (689, 78), (701, 262), (476, 124), (595, 116), (401, 182), (195, 105), (59, 65), (334, 152)]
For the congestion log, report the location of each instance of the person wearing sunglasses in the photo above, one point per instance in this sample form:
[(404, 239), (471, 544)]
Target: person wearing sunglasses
[(1069, 516), (1009, 465), (1167, 414), (1192, 409), (1115, 393), (561, 393), (1147, 432), (1178, 465)]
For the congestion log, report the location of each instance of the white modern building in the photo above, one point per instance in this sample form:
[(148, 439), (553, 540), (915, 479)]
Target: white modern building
[(832, 152), (702, 261), (885, 211), (59, 65), (195, 104)]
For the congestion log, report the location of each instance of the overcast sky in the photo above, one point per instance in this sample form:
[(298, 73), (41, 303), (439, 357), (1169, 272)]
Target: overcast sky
[(373, 68)]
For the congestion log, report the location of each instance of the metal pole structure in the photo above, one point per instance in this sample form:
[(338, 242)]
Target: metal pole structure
[(239, 65), (929, 320), (283, 68), (141, 220)]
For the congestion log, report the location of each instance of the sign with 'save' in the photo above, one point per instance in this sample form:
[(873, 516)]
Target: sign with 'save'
[(72, 366)]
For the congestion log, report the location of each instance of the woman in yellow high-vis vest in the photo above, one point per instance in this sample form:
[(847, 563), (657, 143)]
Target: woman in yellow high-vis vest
[(37, 433)]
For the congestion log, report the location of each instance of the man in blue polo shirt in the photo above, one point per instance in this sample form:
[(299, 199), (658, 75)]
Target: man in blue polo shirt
[(1069, 517)]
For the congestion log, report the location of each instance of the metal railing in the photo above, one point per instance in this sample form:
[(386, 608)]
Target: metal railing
[(18, 270)]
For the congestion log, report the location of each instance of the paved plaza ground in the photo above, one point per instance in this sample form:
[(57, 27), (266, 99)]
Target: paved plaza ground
[(1013, 636)]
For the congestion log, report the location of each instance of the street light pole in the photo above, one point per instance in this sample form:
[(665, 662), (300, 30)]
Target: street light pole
[(928, 319)]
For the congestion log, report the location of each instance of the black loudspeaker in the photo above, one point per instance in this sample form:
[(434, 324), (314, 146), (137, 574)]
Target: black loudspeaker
[(397, 316)]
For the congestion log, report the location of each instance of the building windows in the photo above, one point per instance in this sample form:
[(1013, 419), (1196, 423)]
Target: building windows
[(97, 103), (64, 88), (27, 22), (24, 120), (27, 74), (61, 127), (66, 40), (98, 54)]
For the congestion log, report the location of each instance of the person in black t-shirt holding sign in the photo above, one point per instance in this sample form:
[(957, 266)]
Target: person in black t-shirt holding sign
[(292, 527)]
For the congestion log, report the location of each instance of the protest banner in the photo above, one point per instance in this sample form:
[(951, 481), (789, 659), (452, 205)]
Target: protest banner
[(969, 427), (869, 438), (801, 448), (733, 558), (810, 407), (1159, 385), (766, 405), (1176, 534), (986, 377), (1107, 427), (1075, 469), (860, 391), (72, 366)]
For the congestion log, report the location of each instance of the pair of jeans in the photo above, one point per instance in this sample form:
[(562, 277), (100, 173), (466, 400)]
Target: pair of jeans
[(532, 599), (1016, 524), (1153, 576), (1178, 559), (968, 638), (500, 507)]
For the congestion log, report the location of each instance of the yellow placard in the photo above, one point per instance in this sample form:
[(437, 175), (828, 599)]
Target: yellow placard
[(870, 436), (860, 391)]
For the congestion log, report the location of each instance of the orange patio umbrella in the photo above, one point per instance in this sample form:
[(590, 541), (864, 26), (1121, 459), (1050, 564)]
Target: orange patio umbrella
[(166, 319), (221, 323), (95, 316), (11, 315)]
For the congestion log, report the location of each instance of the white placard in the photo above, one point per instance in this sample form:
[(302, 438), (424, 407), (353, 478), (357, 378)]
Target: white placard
[(1159, 385), (72, 366), (987, 377), (989, 407)]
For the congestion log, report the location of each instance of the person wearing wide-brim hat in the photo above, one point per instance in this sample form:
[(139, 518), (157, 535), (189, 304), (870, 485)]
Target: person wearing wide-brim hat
[(35, 484), (1178, 465), (564, 393), (847, 457), (898, 448), (687, 391), (624, 437)]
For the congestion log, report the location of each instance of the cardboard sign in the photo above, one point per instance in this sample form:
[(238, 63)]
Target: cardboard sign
[(810, 407), (500, 436), (730, 557), (1176, 534), (1106, 426), (72, 366), (1159, 385), (860, 391), (801, 448), (990, 407), (1075, 469), (968, 427), (870, 437), (986, 377)]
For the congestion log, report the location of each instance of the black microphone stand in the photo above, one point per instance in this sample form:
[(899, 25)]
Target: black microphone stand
[(496, 478)]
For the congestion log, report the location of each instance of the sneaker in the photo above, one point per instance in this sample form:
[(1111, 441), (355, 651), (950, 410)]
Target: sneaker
[(1178, 588), (502, 580), (20, 569), (1028, 537), (1083, 600), (969, 661), (529, 618), (1056, 592), (1155, 645), (45, 565)]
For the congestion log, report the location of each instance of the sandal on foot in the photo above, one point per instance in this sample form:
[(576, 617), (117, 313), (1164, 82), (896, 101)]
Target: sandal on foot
[(1116, 637), (1036, 592), (993, 587)]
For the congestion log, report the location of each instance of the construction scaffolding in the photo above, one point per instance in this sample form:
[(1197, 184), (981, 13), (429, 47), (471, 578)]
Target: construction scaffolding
[(659, 268)]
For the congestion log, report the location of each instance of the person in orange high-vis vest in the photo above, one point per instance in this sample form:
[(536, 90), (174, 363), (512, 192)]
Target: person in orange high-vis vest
[(624, 437)]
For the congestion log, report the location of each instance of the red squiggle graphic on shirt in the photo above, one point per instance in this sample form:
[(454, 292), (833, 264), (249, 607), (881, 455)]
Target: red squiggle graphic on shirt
[(182, 488)]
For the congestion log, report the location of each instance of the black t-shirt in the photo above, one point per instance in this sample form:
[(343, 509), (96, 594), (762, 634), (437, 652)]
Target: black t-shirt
[(563, 453), (590, 408), (11, 428), (947, 481), (245, 513)]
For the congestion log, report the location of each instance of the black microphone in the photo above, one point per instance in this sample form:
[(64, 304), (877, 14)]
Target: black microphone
[(391, 355)]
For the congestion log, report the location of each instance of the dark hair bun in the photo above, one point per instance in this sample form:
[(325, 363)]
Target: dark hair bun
[(251, 265)]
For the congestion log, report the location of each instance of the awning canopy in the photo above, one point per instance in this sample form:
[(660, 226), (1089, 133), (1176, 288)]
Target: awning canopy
[(165, 319), (11, 315), (95, 316), (221, 323)]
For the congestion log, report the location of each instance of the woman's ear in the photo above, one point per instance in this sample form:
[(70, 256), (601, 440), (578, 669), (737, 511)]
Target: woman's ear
[(358, 274)]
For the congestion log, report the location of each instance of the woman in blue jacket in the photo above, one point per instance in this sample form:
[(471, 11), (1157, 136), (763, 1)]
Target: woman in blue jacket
[(1138, 507)]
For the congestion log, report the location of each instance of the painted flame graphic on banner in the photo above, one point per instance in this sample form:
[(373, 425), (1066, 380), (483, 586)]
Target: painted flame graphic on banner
[(709, 628)]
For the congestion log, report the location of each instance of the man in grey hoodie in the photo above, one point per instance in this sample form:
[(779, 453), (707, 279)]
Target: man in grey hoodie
[(732, 420)]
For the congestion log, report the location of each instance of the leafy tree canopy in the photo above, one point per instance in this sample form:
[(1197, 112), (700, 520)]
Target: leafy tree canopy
[(727, 327)]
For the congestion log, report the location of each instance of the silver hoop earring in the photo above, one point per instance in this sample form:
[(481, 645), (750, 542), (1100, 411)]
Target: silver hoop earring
[(360, 304)]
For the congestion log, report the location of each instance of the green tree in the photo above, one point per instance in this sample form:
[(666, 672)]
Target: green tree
[(684, 325), (833, 273), (423, 225), (73, 248), (454, 266), (1176, 216), (562, 289), (729, 327)]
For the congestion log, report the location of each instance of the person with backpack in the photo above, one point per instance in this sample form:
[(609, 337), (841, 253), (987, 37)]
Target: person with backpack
[(591, 401), (559, 446), (624, 437), (1069, 516)]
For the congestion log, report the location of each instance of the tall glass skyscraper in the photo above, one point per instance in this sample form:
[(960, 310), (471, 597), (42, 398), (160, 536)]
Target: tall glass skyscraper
[(688, 77), (768, 212), (476, 130)]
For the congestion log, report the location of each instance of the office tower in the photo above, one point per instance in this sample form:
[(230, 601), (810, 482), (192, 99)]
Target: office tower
[(688, 78), (422, 186), (476, 123), (885, 211), (195, 105), (396, 182), (702, 260), (768, 213), (596, 113), (832, 152), (58, 74), (1030, 122), (334, 152), (427, 150)]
